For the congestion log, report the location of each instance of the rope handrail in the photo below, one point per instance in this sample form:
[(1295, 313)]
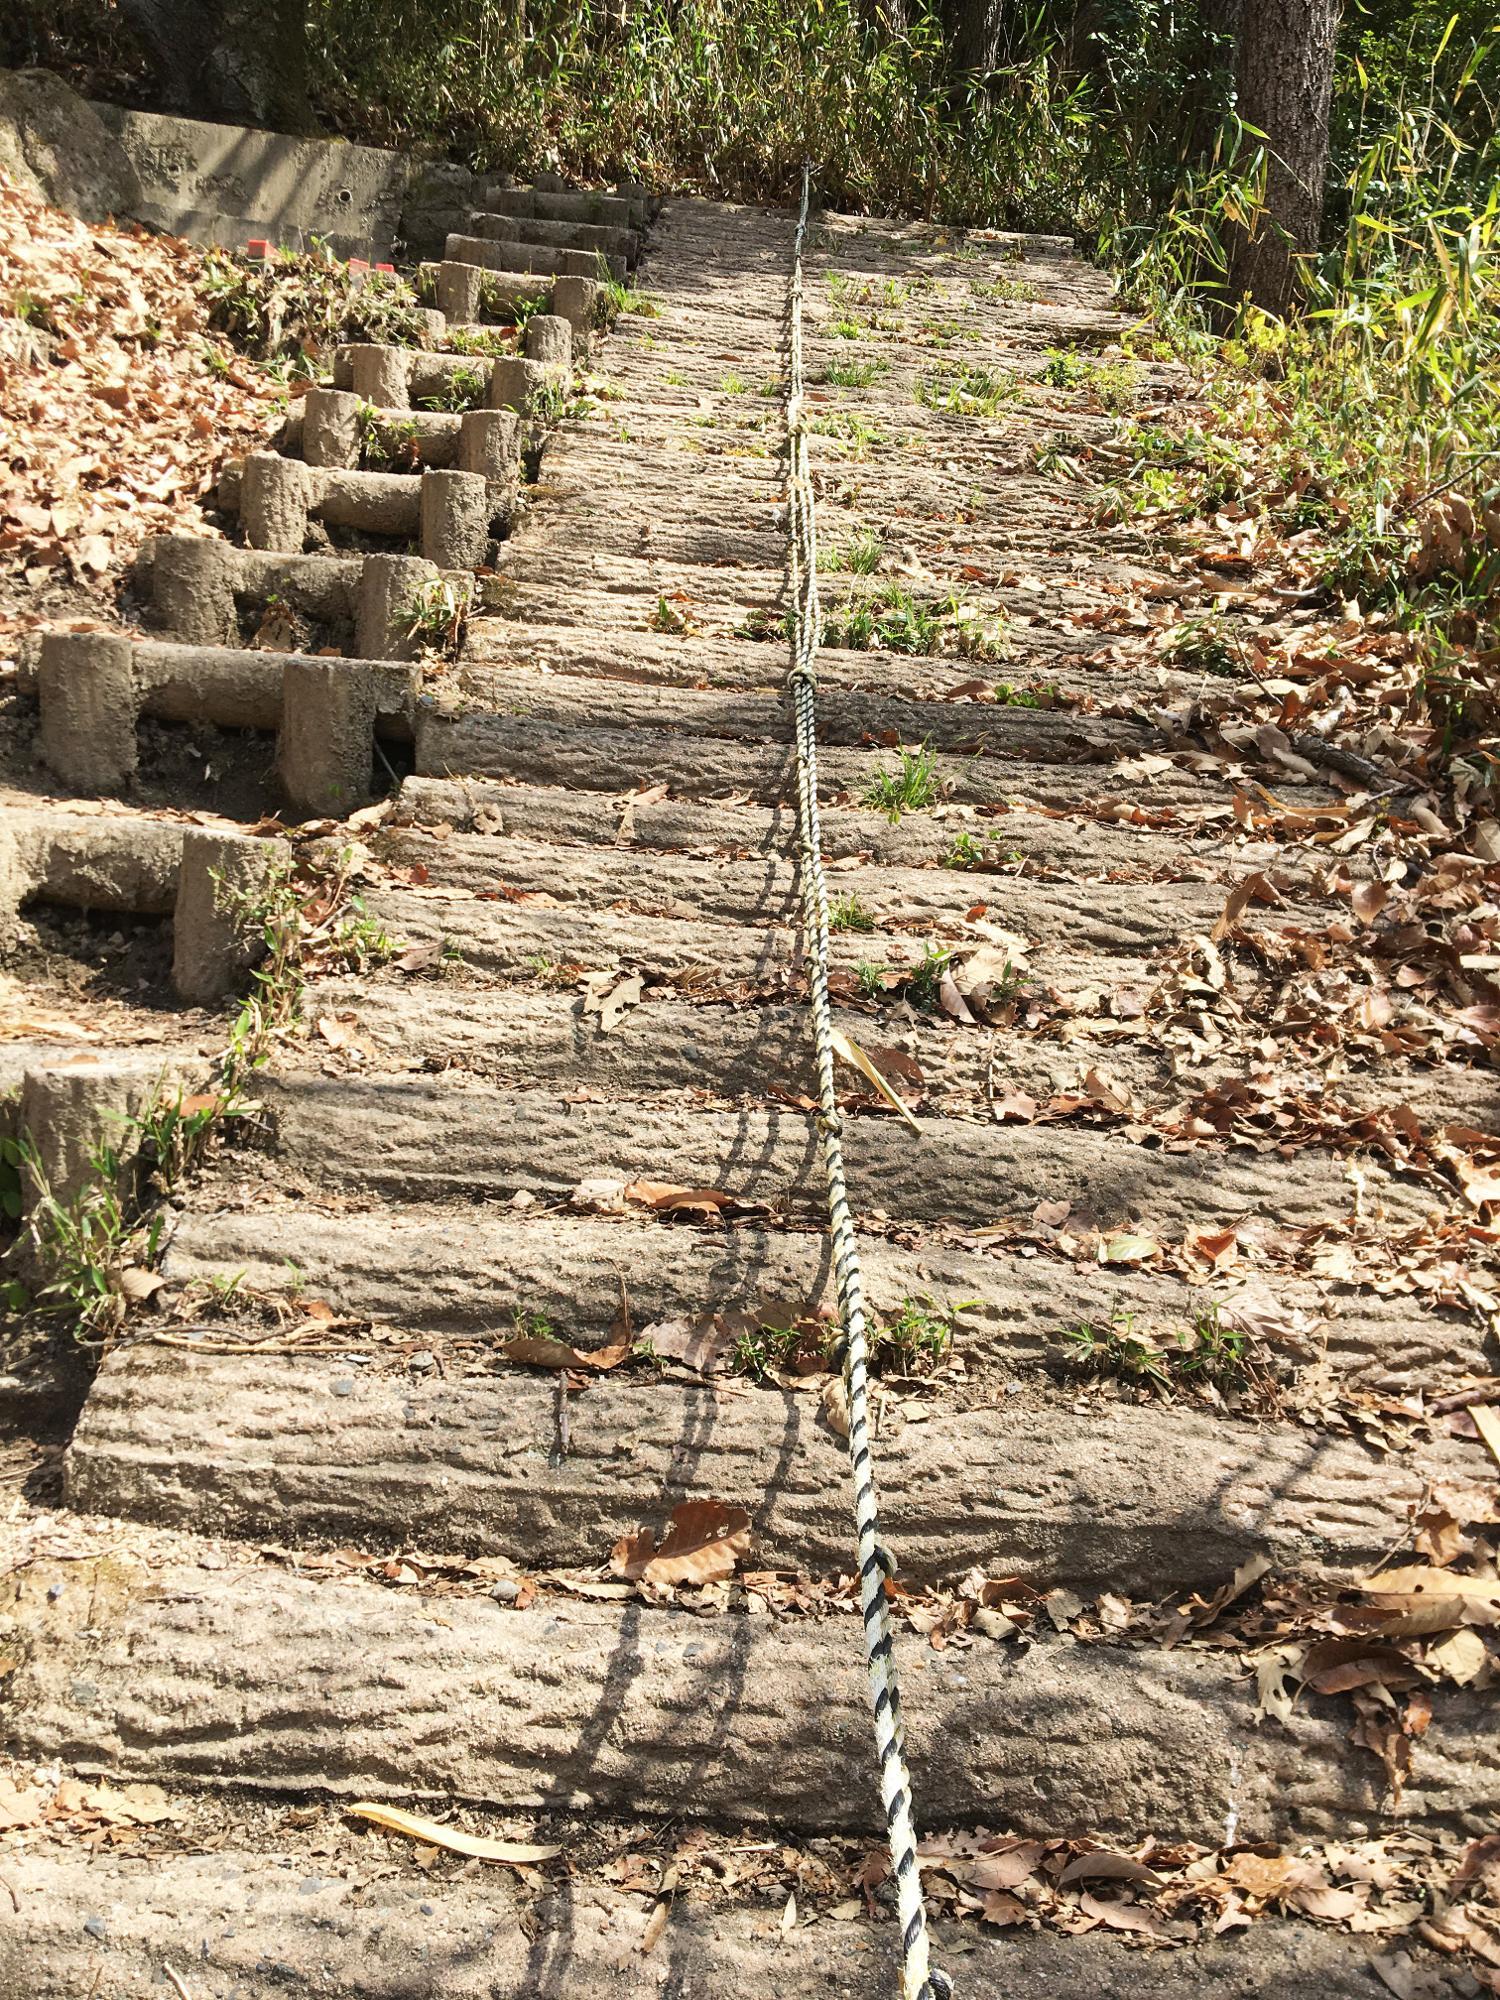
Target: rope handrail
[(919, 1980)]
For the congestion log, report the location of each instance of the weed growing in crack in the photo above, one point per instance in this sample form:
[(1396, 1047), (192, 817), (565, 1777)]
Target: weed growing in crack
[(855, 434), (386, 444), (891, 620), (968, 851), (860, 555), (923, 982), (435, 614), (490, 341), (617, 296), (916, 1338), (913, 788), (848, 913), (1046, 696), (1203, 645), (465, 389), (1209, 1355), (960, 391), (870, 980), (1003, 291), (853, 374), (765, 1351)]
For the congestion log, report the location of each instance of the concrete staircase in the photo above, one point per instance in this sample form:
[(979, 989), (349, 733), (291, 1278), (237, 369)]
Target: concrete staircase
[(597, 791)]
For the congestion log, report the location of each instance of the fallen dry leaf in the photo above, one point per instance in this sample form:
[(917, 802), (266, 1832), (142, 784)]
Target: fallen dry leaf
[(433, 1834), (704, 1542), (540, 1350), (849, 1051)]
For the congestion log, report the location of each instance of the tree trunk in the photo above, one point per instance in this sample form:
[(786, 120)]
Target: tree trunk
[(973, 30), (1285, 80)]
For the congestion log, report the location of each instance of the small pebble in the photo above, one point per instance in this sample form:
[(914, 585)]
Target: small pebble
[(96, 1927), (343, 1387), (421, 1362), (506, 1591)]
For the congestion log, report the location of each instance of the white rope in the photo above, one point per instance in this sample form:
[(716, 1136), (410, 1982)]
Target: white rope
[(919, 1980)]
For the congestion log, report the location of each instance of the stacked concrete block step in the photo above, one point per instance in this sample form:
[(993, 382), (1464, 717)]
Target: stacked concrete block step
[(354, 612), (325, 712), (145, 868)]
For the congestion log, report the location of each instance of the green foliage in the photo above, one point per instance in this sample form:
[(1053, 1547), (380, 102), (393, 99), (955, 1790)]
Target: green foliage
[(916, 1338), (924, 981), (386, 444), (464, 389), (849, 913), (913, 788), (962, 391), (436, 613), (618, 296), (891, 620), (852, 374), (486, 340), (731, 101), (860, 555), (1209, 1356), (301, 305)]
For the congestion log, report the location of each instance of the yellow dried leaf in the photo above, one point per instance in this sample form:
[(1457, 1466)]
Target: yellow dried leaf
[(451, 1837), (851, 1053)]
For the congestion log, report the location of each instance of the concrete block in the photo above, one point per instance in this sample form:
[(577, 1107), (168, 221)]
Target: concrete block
[(489, 442), (212, 949), (455, 519), (372, 503), (379, 374), (275, 496), (459, 294), (326, 751), (73, 1111), (518, 384), (386, 593), (192, 588), (526, 258), (105, 861), (330, 426), (549, 340), (86, 688), (577, 300)]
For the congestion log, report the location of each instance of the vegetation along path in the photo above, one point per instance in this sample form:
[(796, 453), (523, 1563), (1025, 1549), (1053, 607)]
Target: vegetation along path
[(470, 1440)]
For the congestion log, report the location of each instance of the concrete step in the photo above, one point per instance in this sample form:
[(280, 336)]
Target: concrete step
[(846, 717), (246, 1674), (618, 246), (429, 1137), (248, 1923), (1138, 919), (441, 1268), (603, 758), (467, 1456)]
